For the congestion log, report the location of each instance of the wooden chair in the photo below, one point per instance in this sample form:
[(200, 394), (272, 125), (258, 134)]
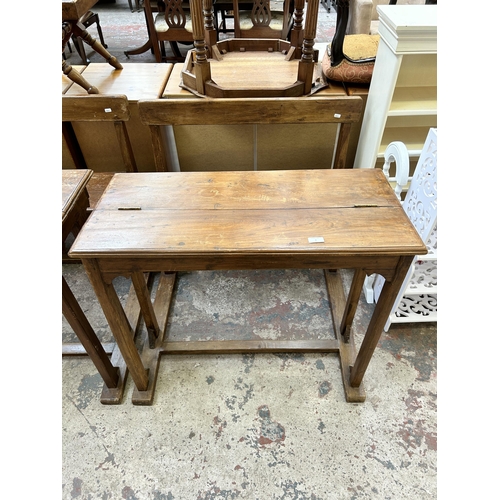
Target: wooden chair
[(171, 112), (97, 108), (87, 20), (170, 21), (262, 21)]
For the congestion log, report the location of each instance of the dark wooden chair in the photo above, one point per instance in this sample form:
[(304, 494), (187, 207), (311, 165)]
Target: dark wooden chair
[(170, 21)]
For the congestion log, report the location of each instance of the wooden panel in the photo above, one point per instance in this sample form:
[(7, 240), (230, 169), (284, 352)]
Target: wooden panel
[(256, 110), (313, 146), (83, 108), (254, 70), (248, 190), (214, 147)]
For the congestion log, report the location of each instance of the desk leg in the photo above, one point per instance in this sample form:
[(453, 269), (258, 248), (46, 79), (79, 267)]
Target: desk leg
[(118, 322), (380, 314), (141, 289), (342, 310), (352, 304), (85, 333)]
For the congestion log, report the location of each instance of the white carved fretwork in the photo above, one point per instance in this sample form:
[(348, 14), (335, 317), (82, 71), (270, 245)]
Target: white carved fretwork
[(417, 300)]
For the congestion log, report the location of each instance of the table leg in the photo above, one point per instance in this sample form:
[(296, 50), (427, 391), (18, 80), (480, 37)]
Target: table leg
[(352, 304), (79, 30), (148, 312), (76, 77), (118, 322), (347, 349), (85, 333), (380, 314)]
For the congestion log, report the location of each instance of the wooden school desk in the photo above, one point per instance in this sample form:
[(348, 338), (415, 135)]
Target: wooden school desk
[(186, 221), (75, 201)]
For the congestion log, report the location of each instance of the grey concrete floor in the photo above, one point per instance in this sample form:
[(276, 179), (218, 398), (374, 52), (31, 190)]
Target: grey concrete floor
[(256, 426)]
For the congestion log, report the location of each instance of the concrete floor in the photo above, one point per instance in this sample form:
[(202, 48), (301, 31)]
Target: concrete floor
[(264, 426)]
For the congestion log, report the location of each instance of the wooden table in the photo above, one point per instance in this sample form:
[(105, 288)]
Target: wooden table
[(72, 11), (329, 219), (75, 201)]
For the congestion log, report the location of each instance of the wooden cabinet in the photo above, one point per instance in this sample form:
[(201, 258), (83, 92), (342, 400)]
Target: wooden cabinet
[(402, 101)]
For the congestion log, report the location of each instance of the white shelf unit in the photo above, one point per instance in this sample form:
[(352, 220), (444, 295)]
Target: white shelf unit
[(402, 100)]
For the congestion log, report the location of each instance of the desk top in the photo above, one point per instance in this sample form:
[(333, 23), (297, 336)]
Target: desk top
[(136, 80), (263, 213), (73, 183)]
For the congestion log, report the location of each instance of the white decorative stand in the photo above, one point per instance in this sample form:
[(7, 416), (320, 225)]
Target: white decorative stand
[(417, 300)]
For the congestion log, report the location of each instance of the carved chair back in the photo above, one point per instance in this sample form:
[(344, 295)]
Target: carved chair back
[(267, 19)]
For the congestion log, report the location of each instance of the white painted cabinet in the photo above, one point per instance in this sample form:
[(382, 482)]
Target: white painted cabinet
[(402, 100)]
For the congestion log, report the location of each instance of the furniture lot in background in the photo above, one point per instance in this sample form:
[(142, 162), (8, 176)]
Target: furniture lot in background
[(254, 67), (171, 21), (417, 299), (72, 12)]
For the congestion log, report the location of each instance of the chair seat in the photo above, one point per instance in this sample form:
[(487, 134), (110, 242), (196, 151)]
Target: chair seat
[(161, 25), (275, 24), (358, 47)]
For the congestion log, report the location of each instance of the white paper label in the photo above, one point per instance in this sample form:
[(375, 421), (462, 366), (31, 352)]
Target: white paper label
[(316, 239)]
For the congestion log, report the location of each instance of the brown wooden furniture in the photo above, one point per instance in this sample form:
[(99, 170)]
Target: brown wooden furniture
[(343, 111), (75, 201), (88, 20), (254, 67), (97, 140), (75, 211), (171, 21), (72, 12), (329, 219), (97, 108)]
